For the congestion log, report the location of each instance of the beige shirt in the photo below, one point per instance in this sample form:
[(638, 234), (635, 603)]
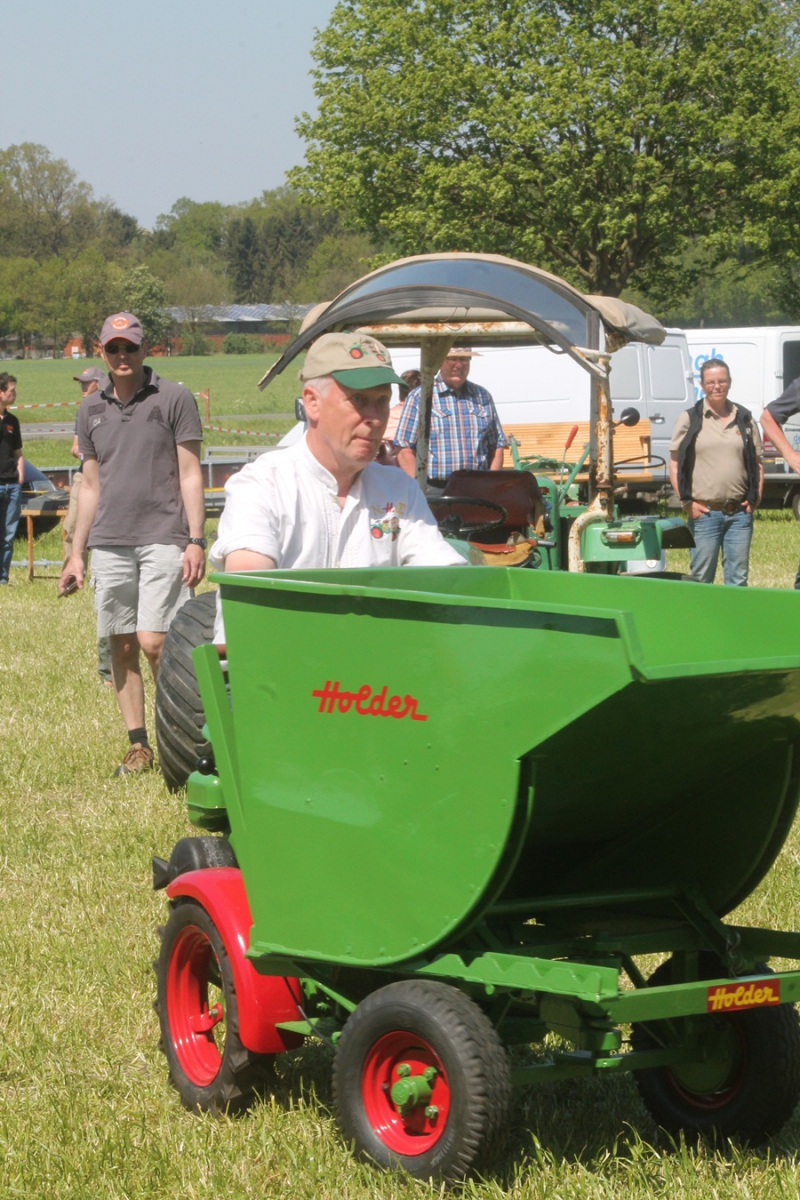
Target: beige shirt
[(719, 470)]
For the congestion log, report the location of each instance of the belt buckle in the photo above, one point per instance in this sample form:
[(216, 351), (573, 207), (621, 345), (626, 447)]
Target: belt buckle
[(730, 507)]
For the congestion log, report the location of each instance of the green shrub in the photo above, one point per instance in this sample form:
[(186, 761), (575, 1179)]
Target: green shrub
[(193, 342), (242, 343)]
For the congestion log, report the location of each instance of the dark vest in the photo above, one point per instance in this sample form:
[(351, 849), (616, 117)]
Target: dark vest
[(686, 452)]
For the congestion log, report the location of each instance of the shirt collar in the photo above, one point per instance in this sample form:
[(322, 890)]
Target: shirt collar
[(151, 381), (323, 475), (315, 467), (443, 388), (708, 409)]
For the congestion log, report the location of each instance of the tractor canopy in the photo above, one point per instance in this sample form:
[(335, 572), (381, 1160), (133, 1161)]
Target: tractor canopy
[(484, 297)]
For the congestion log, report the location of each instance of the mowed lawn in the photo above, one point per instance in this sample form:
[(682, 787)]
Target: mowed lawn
[(85, 1107), (231, 378)]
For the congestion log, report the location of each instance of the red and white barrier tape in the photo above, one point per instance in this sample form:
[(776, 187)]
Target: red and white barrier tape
[(243, 432), (55, 404)]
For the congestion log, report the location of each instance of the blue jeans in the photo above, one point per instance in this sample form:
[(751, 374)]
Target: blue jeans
[(10, 505), (716, 531)]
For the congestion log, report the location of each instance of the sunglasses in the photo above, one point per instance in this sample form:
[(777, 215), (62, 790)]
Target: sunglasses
[(121, 348)]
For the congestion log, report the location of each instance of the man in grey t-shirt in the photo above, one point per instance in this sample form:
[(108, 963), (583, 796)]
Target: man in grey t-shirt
[(141, 512)]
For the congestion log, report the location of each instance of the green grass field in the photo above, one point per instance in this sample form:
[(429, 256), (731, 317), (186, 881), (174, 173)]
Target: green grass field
[(232, 378), (85, 1108)]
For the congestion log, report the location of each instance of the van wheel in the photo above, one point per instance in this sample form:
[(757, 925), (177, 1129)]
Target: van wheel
[(795, 502), (179, 709)]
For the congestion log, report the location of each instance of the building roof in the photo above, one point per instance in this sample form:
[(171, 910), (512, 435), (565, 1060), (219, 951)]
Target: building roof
[(227, 313)]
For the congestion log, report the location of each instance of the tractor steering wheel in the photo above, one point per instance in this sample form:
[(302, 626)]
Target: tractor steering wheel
[(465, 525)]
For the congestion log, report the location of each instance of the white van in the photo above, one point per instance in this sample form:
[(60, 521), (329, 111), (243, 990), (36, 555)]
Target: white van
[(763, 361), (532, 384)]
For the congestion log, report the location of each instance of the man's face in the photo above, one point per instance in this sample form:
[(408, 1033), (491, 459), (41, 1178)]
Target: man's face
[(348, 425), (454, 372), (8, 397), (123, 359), (87, 388)]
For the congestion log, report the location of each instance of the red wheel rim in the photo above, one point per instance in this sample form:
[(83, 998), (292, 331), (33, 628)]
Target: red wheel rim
[(193, 1018), (412, 1132), (715, 1100)]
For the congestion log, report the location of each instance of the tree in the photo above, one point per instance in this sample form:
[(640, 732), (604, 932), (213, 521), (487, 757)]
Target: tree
[(243, 258), (92, 291), (268, 246), (193, 288), (197, 228), (44, 208), (145, 296), (589, 136), (333, 264), (17, 290)]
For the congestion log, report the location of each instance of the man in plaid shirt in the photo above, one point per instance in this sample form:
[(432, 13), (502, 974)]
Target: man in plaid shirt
[(465, 430)]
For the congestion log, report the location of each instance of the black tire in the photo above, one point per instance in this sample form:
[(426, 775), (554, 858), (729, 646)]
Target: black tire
[(795, 502), (210, 1068), (179, 709), (747, 1095), (430, 1024)]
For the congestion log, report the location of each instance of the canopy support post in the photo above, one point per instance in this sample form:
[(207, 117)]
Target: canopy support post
[(433, 351)]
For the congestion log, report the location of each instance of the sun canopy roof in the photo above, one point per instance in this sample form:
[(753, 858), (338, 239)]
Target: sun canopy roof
[(497, 298)]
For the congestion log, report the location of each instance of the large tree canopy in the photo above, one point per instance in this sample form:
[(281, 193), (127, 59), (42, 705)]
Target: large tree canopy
[(588, 136)]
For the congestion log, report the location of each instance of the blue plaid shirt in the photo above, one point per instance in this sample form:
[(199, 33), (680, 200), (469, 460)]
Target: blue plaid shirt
[(465, 428)]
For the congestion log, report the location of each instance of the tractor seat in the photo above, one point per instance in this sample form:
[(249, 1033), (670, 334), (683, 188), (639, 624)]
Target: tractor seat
[(516, 491)]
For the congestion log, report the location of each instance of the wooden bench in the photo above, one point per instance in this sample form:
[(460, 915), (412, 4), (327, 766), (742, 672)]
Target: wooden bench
[(547, 440), (30, 515)]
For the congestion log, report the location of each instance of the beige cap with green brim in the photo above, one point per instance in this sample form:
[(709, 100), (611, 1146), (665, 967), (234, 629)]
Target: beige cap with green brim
[(353, 359)]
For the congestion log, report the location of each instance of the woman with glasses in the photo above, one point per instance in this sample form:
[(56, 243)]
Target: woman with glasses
[(716, 468)]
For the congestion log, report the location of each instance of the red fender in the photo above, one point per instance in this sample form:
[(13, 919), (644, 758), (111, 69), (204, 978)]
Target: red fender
[(263, 1000)]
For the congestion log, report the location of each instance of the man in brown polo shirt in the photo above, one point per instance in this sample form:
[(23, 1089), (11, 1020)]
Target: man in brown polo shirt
[(716, 469), (141, 511)]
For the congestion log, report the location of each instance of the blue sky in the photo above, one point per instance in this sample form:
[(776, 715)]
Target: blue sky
[(160, 99)]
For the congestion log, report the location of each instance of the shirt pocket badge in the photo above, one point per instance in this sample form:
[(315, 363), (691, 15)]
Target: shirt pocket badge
[(387, 527)]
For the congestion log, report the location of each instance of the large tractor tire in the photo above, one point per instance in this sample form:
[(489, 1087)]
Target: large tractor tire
[(179, 709)]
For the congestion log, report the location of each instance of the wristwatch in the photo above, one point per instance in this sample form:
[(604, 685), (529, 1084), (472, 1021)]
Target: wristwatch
[(201, 542)]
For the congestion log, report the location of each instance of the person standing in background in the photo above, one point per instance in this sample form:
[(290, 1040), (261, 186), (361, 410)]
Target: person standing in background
[(12, 473), (466, 433), (716, 468), (90, 381)]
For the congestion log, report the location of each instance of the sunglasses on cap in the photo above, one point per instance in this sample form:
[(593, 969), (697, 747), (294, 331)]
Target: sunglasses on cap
[(121, 348)]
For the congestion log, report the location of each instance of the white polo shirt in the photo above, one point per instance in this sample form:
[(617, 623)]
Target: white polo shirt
[(285, 505)]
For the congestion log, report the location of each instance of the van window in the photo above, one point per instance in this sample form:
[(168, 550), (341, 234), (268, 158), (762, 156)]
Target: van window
[(667, 381), (791, 363), (625, 381)]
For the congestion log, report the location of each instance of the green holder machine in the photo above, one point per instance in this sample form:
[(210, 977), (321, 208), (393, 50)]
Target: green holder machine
[(454, 812)]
